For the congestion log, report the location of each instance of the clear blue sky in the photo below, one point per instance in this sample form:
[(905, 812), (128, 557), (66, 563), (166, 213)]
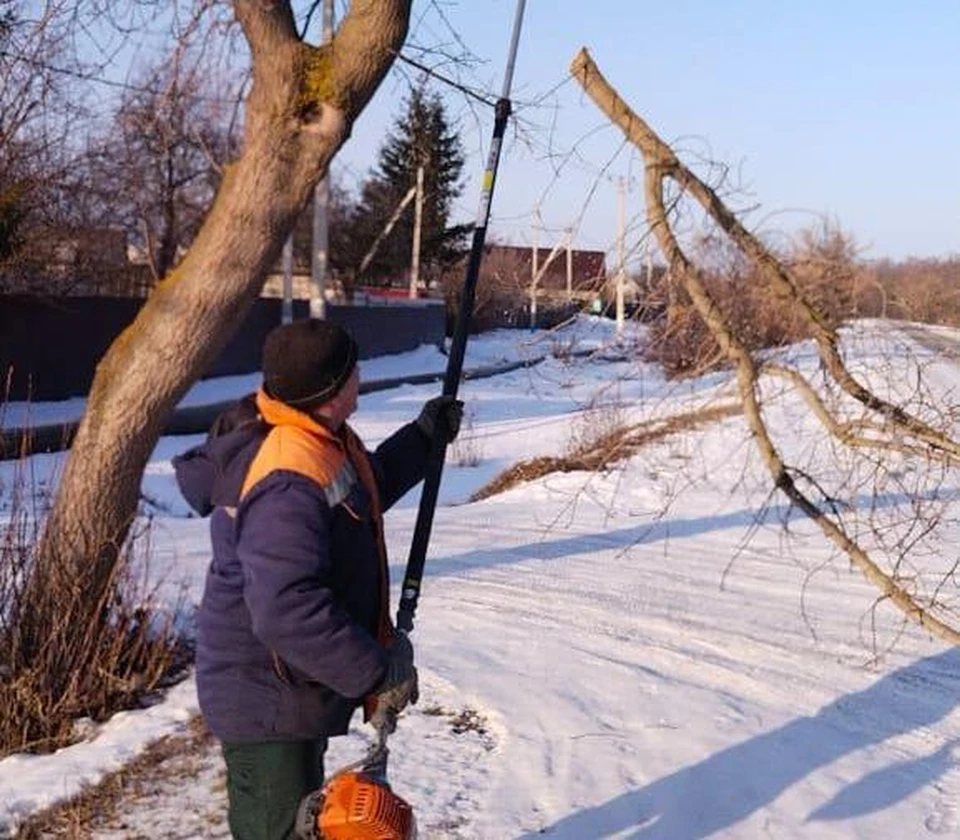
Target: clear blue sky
[(846, 109)]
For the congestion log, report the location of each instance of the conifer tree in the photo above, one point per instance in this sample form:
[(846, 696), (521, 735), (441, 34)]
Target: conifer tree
[(422, 136)]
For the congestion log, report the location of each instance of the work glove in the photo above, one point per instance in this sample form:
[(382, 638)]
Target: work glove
[(440, 418), (398, 688)]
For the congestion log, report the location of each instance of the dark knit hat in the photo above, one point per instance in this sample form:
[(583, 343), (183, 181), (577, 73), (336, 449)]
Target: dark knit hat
[(306, 362)]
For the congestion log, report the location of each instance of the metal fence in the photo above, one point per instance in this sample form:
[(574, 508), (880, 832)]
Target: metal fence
[(49, 347)]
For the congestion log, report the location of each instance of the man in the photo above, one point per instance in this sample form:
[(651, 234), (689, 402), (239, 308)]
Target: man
[(294, 629)]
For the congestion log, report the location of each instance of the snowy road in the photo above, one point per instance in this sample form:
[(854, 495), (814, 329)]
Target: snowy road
[(661, 651)]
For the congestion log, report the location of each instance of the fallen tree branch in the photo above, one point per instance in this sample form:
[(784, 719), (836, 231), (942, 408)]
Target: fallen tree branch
[(661, 163), (846, 432), (600, 454)]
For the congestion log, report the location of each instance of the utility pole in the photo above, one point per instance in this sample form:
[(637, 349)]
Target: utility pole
[(621, 249), (648, 260), (569, 264), (286, 310), (417, 221), (536, 280), (319, 255), (534, 272), (368, 257)]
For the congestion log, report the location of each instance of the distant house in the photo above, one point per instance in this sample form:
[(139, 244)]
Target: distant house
[(508, 271), (506, 294), (76, 262)]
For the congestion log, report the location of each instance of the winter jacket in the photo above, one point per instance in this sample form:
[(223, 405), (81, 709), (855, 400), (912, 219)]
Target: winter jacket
[(297, 591)]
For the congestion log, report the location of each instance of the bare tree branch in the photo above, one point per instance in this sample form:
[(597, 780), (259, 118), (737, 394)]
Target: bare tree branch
[(661, 163)]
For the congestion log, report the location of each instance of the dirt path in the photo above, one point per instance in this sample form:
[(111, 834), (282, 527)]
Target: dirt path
[(947, 345)]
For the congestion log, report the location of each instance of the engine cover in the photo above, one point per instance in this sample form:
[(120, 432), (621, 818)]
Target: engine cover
[(356, 806)]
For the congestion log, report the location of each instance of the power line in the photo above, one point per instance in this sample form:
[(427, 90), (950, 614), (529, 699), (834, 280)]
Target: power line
[(544, 96), (100, 80), (473, 94), (128, 86)]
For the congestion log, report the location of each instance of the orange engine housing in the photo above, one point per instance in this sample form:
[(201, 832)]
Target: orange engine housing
[(358, 807)]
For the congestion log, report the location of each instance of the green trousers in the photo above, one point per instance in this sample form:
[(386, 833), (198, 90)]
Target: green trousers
[(266, 782)]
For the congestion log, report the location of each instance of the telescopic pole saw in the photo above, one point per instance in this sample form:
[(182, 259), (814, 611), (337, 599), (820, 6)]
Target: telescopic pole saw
[(410, 592)]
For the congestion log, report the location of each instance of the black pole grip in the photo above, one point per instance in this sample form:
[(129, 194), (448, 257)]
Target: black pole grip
[(410, 590)]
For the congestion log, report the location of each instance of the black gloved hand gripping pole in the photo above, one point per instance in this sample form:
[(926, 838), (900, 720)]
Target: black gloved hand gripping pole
[(410, 592)]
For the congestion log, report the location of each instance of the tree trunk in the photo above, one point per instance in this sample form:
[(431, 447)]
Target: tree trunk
[(302, 105)]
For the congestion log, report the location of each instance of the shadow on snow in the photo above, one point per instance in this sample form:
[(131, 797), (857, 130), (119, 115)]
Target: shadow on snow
[(730, 785), (653, 532)]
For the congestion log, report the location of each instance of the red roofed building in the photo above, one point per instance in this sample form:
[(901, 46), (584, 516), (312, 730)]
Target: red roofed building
[(509, 270)]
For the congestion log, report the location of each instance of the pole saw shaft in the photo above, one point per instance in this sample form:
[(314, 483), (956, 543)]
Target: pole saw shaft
[(410, 592)]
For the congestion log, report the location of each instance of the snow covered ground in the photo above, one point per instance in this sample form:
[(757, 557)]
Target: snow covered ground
[(643, 653)]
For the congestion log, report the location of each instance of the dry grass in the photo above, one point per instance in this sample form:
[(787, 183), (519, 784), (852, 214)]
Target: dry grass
[(463, 721), (174, 758), (608, 448)]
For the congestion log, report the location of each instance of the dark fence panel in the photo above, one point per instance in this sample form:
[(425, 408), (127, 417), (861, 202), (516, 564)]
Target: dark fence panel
[(49, 348)]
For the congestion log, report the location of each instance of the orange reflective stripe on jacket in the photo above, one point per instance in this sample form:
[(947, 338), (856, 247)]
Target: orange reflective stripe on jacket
[(296, 442)]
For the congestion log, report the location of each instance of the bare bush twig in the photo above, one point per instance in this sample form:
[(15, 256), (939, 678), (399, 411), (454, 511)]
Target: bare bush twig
[(86, 662)]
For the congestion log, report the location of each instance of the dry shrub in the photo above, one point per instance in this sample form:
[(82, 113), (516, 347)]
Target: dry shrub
[(682, 343), (824, 262), (174, 759), (95, 658), (824, 265), (467, 449), (917, 290)]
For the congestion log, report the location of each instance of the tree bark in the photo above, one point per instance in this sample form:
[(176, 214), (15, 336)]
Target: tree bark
[(300, 110)]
